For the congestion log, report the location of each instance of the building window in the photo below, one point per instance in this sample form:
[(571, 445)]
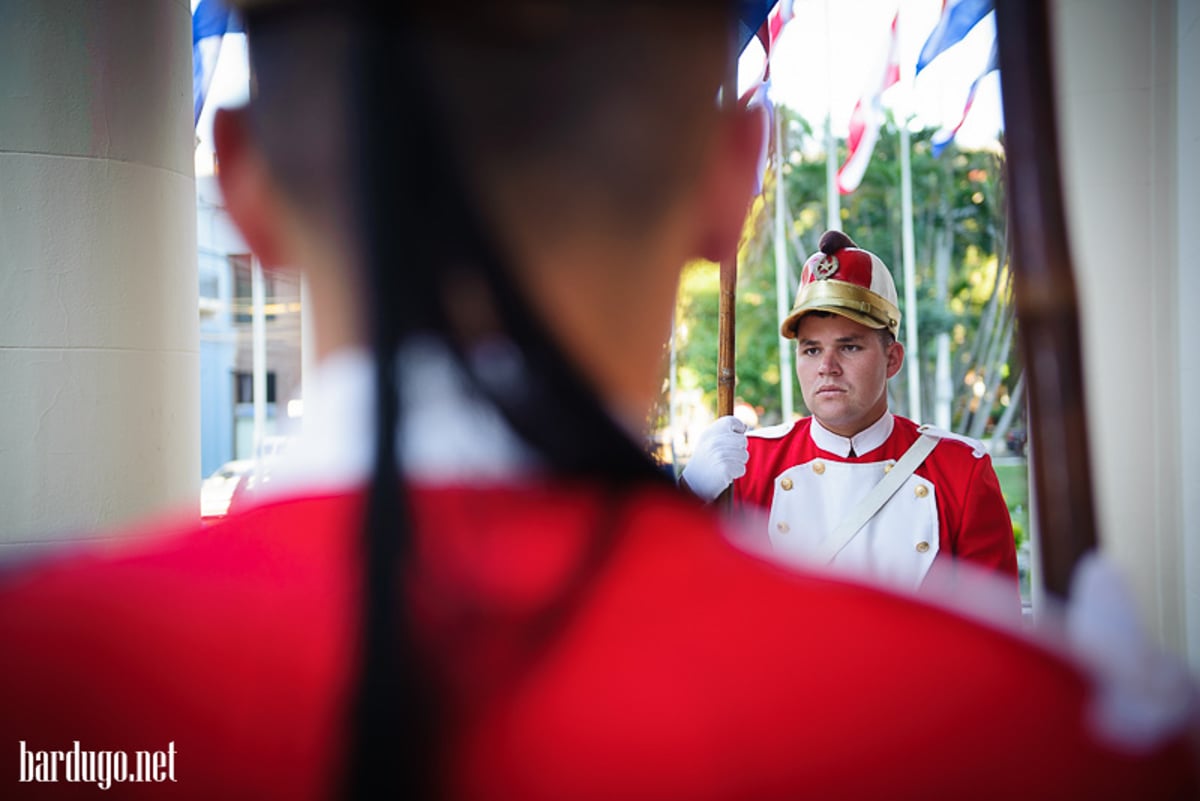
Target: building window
[(243, 294), (243, 387)]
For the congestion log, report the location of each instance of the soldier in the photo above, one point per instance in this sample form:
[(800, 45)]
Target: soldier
[(493, 206), (854, 485)]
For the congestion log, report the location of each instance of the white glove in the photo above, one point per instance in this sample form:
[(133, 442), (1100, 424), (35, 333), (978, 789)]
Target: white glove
[(1141, 693), (720, 457)]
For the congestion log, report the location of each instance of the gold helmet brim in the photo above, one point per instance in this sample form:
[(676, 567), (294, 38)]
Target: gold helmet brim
[(848, 300)]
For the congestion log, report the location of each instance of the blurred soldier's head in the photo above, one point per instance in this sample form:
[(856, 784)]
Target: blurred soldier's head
[(520, 183), (585, 135)]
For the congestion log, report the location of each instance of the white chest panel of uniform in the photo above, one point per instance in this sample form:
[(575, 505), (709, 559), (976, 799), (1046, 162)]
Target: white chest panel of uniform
[(897, 545)]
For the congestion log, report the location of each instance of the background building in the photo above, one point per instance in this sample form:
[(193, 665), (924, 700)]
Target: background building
[(227, 340)]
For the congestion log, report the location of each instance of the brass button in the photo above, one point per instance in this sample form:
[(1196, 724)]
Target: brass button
[(818, 467), (922, 547), (921, 490), (786, 484), (783, 527), (887, 468)]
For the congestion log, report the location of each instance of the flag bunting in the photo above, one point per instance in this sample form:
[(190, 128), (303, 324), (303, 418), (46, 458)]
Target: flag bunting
[(211, 20), (957, 19), (945, 135), (867, 117)]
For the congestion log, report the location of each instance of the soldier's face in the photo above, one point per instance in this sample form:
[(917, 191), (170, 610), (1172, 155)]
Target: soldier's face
[(843, 368)]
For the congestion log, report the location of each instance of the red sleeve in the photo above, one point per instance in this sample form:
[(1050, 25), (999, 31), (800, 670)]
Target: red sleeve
[(755, 489), (985, 536)]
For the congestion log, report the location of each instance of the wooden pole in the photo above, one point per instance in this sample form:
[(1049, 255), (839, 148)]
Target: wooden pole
[(1044, 292), (726, 371)]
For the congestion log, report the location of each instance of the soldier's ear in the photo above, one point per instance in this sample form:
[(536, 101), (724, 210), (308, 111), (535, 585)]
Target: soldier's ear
[(247, 188), (728, 181), (895, 358)]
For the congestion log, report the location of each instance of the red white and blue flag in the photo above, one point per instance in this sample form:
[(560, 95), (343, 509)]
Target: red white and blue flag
[(945, 135), (956, 21), (867, 117), (767, 35), (755, 91), (211, 20)]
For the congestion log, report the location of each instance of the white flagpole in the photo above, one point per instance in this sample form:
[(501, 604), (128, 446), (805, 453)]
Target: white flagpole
[(912, 345), (783, 289), (943, 392), (833, 205), (671, 414), (833, 220), (259, 350), (911, 342), (308, 348)]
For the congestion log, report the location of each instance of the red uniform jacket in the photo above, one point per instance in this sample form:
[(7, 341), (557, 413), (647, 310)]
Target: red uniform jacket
[(686, 670), (972, 521)]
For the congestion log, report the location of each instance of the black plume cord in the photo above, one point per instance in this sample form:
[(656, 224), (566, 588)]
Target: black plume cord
[(394, 717), (551, 406), (420, 231)]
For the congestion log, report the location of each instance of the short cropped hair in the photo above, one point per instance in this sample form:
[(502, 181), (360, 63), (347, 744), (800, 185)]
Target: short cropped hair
[(606, 136)]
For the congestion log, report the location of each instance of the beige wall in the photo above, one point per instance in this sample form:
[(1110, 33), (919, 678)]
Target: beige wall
[(1128, 115), (99, 396)]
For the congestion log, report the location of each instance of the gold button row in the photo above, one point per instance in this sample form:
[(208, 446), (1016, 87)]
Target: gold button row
[(819, 468), (783, 528)]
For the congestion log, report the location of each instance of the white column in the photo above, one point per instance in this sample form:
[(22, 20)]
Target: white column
[(1122, 137), (99, 369)]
